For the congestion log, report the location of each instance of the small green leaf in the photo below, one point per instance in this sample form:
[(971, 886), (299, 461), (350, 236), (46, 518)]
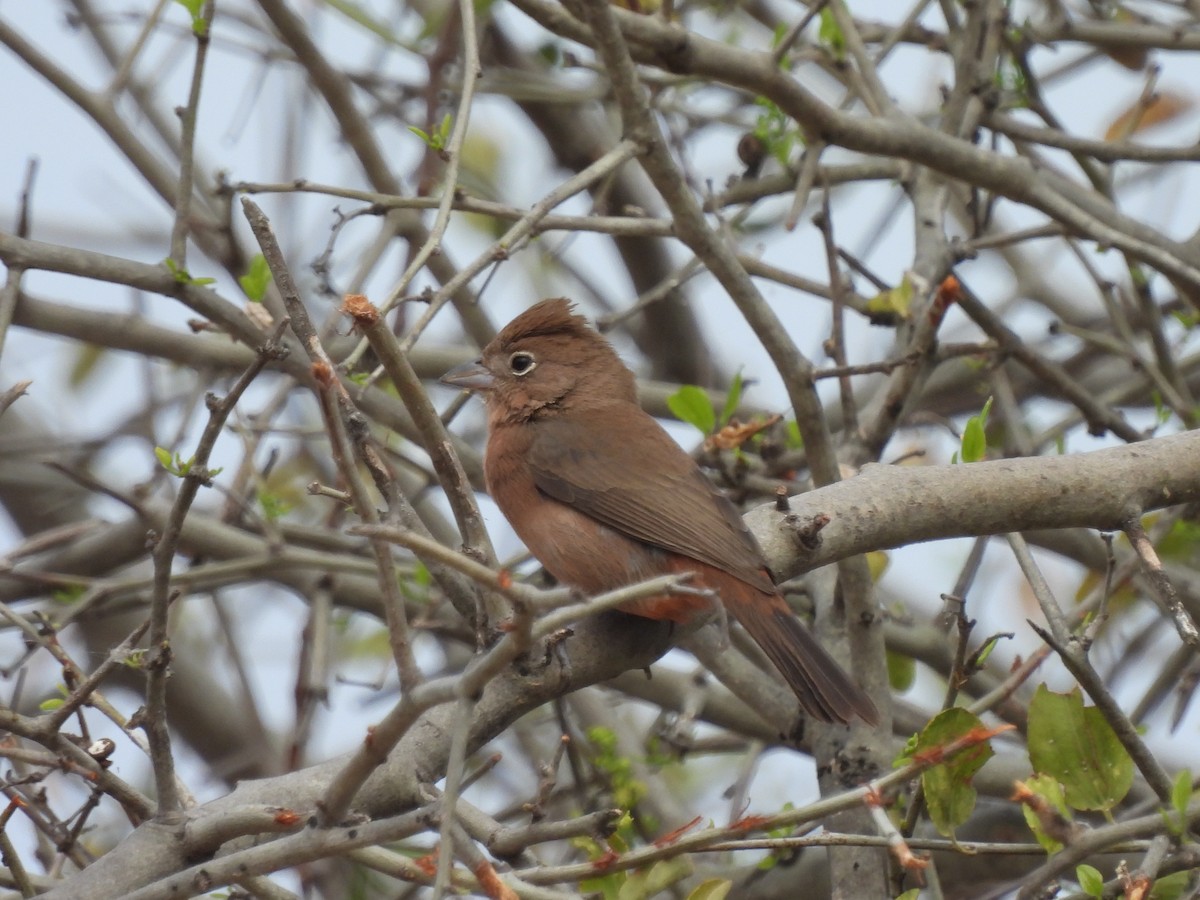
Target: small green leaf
[(50, 705), (643, 884), (1052, 792), (87, 362), (775, 129), (1076, 746), (1090, 880), (830, 34), (981, 655), (691, 404), (711, 889), (195, 9), (257, 279), (183, 276), (1171, 887), (902, 671), (894, 303), (974, 439), (910, 894), (443, 132), (164, 457), (273, 506), (421, 575), (1182, 542), (1181, 792), (732, 399), (1162, 411), (795, 440), (439, 137), (68, 595), (1186, 319)]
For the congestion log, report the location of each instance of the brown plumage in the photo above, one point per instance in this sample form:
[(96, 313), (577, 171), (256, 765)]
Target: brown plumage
[(603, 496)]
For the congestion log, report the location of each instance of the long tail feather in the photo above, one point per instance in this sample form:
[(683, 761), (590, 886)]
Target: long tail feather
[(823, 688)]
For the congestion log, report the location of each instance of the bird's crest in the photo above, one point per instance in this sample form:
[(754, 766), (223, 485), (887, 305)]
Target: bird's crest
[(550, 317)]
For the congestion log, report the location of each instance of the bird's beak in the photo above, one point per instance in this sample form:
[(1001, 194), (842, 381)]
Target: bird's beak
[(472, 376)]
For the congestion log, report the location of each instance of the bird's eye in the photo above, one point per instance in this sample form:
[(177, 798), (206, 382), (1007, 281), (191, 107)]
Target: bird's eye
[(521, 363)]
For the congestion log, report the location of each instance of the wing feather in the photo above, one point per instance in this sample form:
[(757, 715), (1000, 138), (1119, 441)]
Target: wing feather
[(667, 502)]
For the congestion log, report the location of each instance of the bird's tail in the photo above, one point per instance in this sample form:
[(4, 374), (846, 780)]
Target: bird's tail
[(823, 688)]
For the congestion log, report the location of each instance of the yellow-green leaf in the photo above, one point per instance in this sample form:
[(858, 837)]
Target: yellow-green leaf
[(646, 883), (974, 439), (902, 671), (711, 889), (895, 301), (1090, 880), (692, 405), (257, 279)]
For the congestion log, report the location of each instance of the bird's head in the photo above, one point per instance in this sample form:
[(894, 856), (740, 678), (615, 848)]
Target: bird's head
[(545, 360)]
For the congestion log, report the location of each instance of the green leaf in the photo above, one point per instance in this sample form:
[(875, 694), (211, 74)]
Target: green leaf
[(1050, 791), (645, 883), (183, 276), (795, 440), (273, 506), (691, 404), (910, 894), (1171, 887), (732, 399), (1186, 319), (257, 279), (902, 671), (50, 705), (948, 791), (974, 439), (164, 457), (1182, 542), (1090, 880), (438, 137), (626, 790), (981, 655), (68, 594), (1076, 746), (87, 361), (1181, 792), (443, 132), (830, 34), (894, 303), (775, 129), (1161, 411), (711, 889), (195, 9)]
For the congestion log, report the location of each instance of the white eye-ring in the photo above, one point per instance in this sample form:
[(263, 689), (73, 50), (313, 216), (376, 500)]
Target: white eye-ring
[(522, 362)]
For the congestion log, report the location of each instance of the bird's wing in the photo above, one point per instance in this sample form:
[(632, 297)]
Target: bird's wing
[(617, 465)]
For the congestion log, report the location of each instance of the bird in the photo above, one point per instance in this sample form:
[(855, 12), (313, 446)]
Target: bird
[(604, 497)]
